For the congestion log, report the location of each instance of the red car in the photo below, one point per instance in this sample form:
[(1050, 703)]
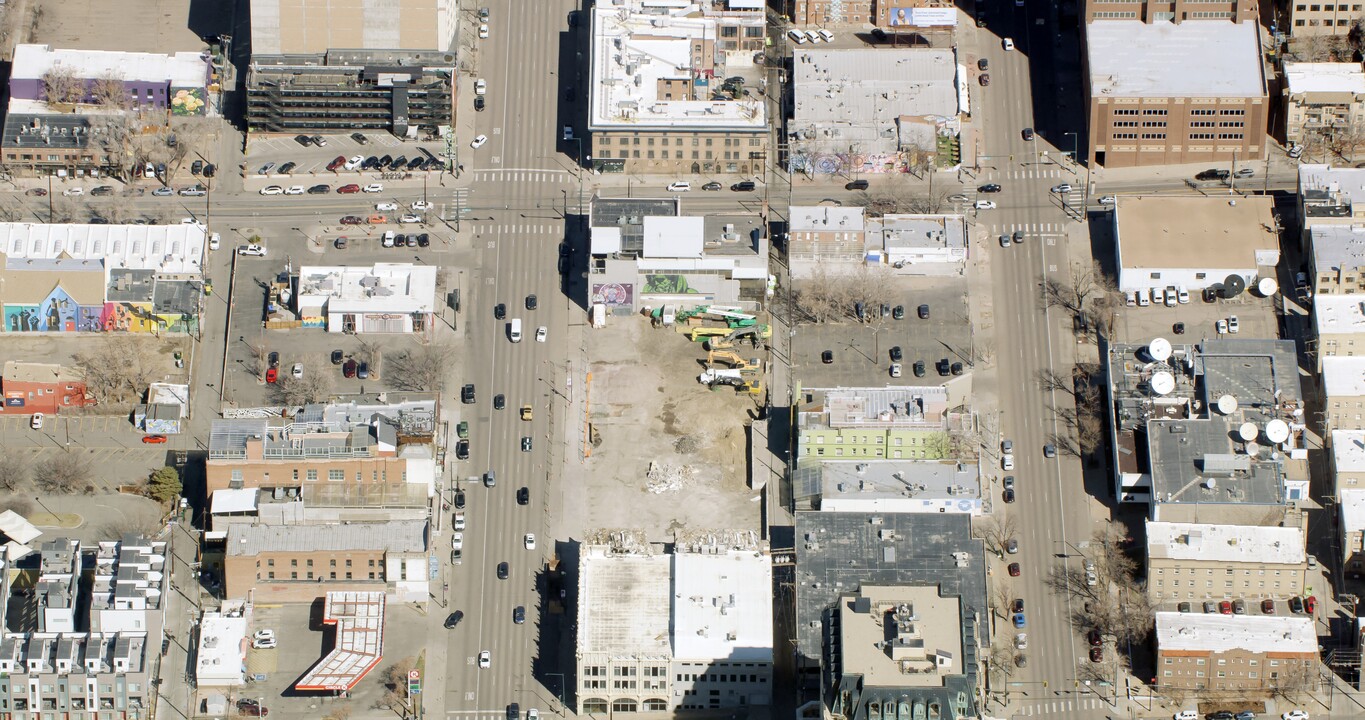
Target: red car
[(1097, 654), (272, 374), (348, 189), (1225, 607), (332, 166), (252, 708), (1014, 569), (1310, 604), (352, 220), (153, 439)]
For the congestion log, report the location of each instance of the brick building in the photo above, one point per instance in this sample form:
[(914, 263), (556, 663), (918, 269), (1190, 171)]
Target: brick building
[(1213, 652), (42, 388), (1152, 11)]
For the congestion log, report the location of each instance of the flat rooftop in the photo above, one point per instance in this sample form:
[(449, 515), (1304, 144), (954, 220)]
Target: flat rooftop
[(650, 70), (900, 636), (219, 657), (1225, 543), (618, 224), (388, 287), (1352, 510), (924, 231), (625, 603), (1326, 77), (17, 371), (1339, 247), (1343, 376), (179, 70), (394, 536), (1162, 231), (860, 95), (904, 408), (723, 606), (313, 26), (891, 485), (170, 249), (823, 218), (1348, 450), (1339, 314), (1200, 632), (1130, 58), (359, 621)]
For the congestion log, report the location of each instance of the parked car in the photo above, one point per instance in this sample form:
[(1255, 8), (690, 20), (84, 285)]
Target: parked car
[(319, 189), (348, 189), (247, 706), (272, 190)]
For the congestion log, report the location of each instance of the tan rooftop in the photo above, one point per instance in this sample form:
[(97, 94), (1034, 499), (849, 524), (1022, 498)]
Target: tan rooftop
[(16, 371), (1196, 231), (901, 636)]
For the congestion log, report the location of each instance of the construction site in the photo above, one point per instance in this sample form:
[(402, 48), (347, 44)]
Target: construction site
[(673, 395)]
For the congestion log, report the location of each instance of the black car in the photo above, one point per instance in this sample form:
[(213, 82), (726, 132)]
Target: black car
[(479, 103), (502, 571), (359, 138), (499, 402), (462, 450), (319, 189), (989, 188), (1220, 715), (416, 162), (384, 161), (919, 368), (983, 64), (944, 367), (399, 162), (895, 353), (303, 140), (526, 444), (370, 163), (898, 312), (423, 240), (856, 185), (287, 168), (459, 499), (1178, 328), (210, 169), (103, 190), (530, 302), (337, 357), (519, 615), (513, 711), (827, 357), (435, 163), (1009, 495), (274, 359), (454, 619), (923, 312), (196, 167), (499, 311), (957, 368), (97, 220), (523, 496), (1028, 134), (467, 394), (1213, 174), (743, 186)]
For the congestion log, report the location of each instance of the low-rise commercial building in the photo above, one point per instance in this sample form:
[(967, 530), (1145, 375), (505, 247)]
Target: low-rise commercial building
[(1146, 106), (1323, 100), (1329, 196), (175, 83), (1194, 242), (83, 641), (1200, 561), (923, 244), (1214, 652), (286, 563), (42, 388), (887, 486), (874, 110), (875, 424), (384, 298), (677, 93), (822, 238), (689, 630)]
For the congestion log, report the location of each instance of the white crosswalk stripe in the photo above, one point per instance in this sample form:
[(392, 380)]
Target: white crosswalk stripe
[(1031, 228), (523, 175), (517, 229)]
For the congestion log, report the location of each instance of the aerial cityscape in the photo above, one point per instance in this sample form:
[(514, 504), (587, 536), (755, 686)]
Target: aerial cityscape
[(711, 359)]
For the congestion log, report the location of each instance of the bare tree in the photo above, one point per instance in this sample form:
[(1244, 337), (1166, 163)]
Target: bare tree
[(372, 352), (1297, 679), (1321, 48), (118, 368), (109, 91), (1049, 380), (1002, 597), (822, 297), (63, 210), (315, 386), (64, 473), (874, 286), (339, 712), (395, 679), (1001, 657), (14, 472), (424, 368), (61, 86), (120, 528), (949, 444), (996, 530)]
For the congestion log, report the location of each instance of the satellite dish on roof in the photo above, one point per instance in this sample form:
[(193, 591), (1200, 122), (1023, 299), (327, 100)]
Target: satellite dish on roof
[(1233, 286), (1227, 404), (1266, 287), (1162, 383), (1248, 432), (1277, 431), (1160, 349), (1253, 449)]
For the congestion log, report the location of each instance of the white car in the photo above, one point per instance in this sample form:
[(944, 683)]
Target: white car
[(1182, 296), (1063, 188), (457, 541), (264, 639), (529, 541), (215, 241), (355, 162), (540, 333), (1007, 461), (1008, 43), (483, 31), (252, 250), (1143, 299), (480, 87), (895, 370), (1232, 324), (297, 371), (459, 521), (485, 659), (272, 190), (73, 191), (296, 190), (373, 188), (1186, 715), (1130, 298), (479, 140), (1021, 641), (420, 205), (985, 204), (1221, 326), (1108, 200), (679, 186), (410, 219), (1294, 715), (36, 422), (386, 207), (1171, 297)]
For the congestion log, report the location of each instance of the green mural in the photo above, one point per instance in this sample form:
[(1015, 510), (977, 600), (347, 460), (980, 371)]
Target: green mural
[(667, 285)]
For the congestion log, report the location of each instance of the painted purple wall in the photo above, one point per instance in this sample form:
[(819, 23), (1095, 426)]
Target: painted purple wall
[(32, 89)]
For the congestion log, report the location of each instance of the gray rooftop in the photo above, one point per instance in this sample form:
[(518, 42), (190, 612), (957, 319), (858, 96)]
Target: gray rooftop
[(1130, 58), (890, 485), (923, 231), (628, 215), (46, 131), (395, 536), (1338, 247), (131, 285)]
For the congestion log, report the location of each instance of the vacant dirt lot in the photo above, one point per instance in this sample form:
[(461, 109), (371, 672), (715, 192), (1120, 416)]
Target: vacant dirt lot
[(647, 407)]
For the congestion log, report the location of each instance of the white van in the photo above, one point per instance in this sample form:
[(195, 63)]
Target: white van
[(812, 36), (797, 36), (514, 330), (826, 35), (386, 207)]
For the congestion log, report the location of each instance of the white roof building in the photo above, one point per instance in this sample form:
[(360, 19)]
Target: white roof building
[(648, 60), (823, 218), (387, 297), (722, 607), (220, 661), (1225, 543), (1131, 58), (179, 70), (1324, 77), (168, 249), (1343, 376), (1339, 315), (1196, 632), (924, 244), (674, 237), (1352, 511)]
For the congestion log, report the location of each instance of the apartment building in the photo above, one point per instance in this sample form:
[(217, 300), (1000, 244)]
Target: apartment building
[(1315, 19), (1213, 652), (1352, 521), (1337, 258), (1343, 380), (1348, 460), (1155, 11), (874, 424), (1198, 561), (83, 642), (1339, 326), (1322, 100), (1146, 107), (664, 98)]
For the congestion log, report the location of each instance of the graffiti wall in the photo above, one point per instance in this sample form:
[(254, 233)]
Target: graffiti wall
[(668, 285), (614, 294), (128, 317), (817, 163), (58, 312)]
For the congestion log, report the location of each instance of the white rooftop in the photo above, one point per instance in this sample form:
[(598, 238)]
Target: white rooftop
[(638, 47), (221, 651), (1220, 633), (231, 500), (359, 621), (1343, 376), (387, 287), (1339, 315), (1225, 543), (674, 237), (723, 606), (1352, 510), (180, 70), (820, 218), (1324, 77), (624, 604), (171, 249), (898, 486), (1348, 450), (860, 95), (1340, 247), (1130, 58)]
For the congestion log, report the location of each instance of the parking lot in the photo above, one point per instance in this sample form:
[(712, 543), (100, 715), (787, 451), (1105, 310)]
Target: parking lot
[(861, 350), (311, 160), (1255, 319)]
